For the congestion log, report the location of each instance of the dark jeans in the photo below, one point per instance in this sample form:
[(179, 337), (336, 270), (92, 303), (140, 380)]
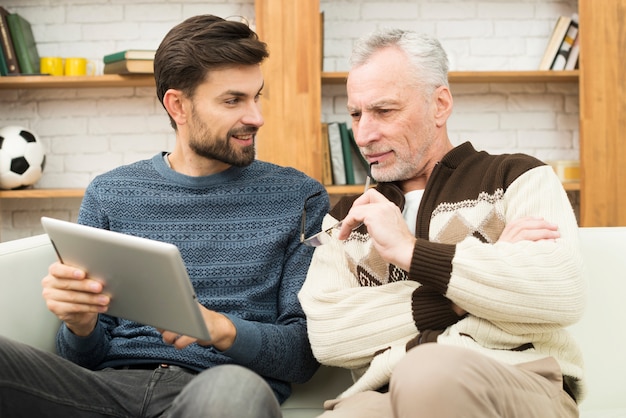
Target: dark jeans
[(34, 383)]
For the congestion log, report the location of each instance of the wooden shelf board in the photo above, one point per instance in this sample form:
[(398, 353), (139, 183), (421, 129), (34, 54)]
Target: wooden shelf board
[(571, 186), (358, 188), (57, 193), (40, 193), (43, 81), (147, 80), (485, 77)]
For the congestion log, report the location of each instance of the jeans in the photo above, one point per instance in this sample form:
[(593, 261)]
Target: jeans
[(34, 383)]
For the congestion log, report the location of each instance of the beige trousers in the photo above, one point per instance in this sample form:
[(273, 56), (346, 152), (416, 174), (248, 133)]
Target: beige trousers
[(438, 381)]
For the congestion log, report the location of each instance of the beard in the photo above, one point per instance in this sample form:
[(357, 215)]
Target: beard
[(208, 145), (406, 166)]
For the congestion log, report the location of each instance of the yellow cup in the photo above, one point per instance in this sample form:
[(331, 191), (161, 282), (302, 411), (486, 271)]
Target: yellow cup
[(51, 65), (79, 66)]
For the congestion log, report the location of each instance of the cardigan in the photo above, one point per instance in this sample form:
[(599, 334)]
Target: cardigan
[(519, 297), (238, 234)]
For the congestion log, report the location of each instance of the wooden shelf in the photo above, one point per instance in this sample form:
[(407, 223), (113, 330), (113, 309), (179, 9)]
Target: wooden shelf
[(485, 77), (40, 193), (57, 193), (571, 186), (147, 80), (358, 188), (43, 81)]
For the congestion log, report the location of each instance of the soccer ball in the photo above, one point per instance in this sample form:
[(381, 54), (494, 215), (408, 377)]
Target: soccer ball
[(22, 158)]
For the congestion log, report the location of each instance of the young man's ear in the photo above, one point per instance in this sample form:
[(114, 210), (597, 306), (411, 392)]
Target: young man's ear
[(175, 104)]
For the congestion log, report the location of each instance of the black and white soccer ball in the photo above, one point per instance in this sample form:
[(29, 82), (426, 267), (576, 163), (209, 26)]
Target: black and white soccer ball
[(22, 158)]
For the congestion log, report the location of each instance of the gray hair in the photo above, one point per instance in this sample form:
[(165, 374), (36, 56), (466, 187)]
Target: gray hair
[(425, 54)]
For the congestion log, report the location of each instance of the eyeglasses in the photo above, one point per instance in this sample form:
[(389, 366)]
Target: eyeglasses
[(324, 236)]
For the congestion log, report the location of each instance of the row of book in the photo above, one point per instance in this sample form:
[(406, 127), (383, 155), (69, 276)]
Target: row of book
[(563, 48), (129, 61), (18, 52), (342, 160)]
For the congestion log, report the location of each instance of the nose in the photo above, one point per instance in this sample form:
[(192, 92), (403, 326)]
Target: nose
[(365, 131), (253, 115)]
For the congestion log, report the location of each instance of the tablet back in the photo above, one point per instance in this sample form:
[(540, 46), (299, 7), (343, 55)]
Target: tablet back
[(147, 279)]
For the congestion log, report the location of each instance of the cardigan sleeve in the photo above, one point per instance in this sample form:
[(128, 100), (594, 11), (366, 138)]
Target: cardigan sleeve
[(522, 287), (349, 323)]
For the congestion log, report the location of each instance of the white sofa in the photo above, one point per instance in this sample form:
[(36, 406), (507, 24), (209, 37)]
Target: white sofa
[(24, 317)]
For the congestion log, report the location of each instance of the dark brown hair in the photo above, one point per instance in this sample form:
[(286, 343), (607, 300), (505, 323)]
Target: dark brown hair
[(198, 45)]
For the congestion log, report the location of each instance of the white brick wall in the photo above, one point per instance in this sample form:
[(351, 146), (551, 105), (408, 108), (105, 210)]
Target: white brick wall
[(88, 131)]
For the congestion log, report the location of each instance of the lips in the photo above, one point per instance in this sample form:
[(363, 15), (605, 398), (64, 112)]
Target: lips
[(245, 139), (375, 158)]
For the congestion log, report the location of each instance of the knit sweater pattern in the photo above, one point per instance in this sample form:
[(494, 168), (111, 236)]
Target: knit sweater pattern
[(238, 234), (519, 297)]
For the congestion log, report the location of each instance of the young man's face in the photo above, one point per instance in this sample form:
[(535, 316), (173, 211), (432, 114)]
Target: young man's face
[(225, 115)]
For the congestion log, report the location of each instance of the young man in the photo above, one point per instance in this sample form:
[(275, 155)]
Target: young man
[(451, 299), (236, 222)]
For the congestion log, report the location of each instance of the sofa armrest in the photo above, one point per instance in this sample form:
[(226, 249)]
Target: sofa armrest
[(23, 313)]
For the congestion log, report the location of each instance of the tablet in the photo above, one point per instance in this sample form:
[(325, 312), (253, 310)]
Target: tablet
[(147, 279)]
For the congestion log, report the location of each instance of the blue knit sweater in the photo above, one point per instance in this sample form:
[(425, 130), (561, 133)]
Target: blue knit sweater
[(238, 233)]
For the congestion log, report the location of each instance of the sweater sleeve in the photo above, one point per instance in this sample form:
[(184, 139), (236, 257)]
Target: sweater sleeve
[(522, 287), (348, 323)]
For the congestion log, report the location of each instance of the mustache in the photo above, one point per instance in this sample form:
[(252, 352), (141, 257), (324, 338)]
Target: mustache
[(246, 130)]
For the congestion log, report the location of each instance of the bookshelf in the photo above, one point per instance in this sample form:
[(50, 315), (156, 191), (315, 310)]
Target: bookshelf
[(109, 81), (292, 100), (602, 98)]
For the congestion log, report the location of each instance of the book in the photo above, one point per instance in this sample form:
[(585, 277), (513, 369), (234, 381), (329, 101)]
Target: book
[(360, 164), (346, 150), (327, 171), (7, 44), (336, 154), (3, 64), (129, 54), (129, 67), (24, 44), (561, 57), (572, 58), (554, 43)]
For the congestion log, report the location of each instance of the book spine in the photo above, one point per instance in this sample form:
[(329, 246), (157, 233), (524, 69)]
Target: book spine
[(572, 58), (7, 44), (117, 56), (327, 171), (23, 43), (336, 154), (558, 33), (561, 57), (361, 166), (3, 64), (347, 154)]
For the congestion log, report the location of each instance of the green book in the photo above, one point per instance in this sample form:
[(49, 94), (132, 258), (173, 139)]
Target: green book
[(361, 166), (129, 54), (4, 70), (24, 44), (347, 153)]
